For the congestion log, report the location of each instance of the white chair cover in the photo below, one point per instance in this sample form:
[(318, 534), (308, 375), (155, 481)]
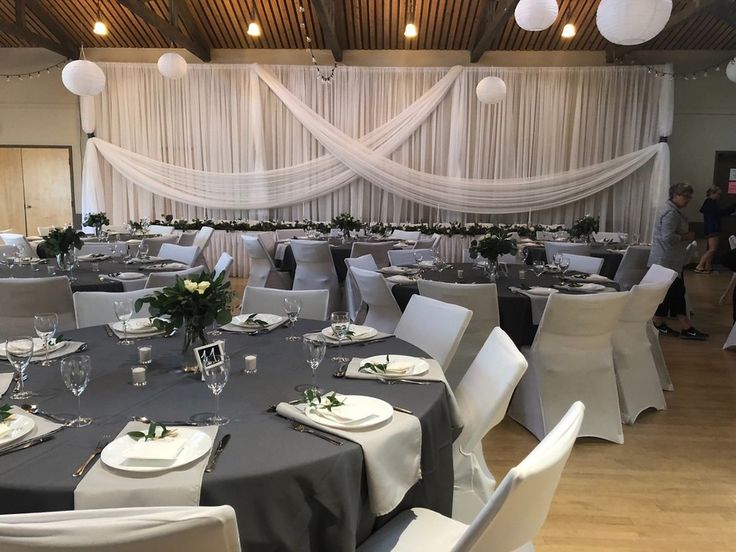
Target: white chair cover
[(353, 301), (582, 263), (510, 520), (185, 254), (483, 396), (732, 281), (433, 326), (271, 301), (656, 275), (96, 248), (407, 257), (633, 266), (203, 237), (161, 229), (315, 269), (383, 311), (22, 298), (551, 248), (379, 251), (288, 233), (183, 529), (224, 265), (405, 235), (571, 359), (263, 271), (268, 240), (154, 244), (168, 279), (25, 249), (8, 250), (731, 339), (187, 238), (482, 301), (94, 308)]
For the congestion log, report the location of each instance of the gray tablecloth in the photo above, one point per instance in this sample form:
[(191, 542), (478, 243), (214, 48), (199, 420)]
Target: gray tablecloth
[(611, 259), (291, 491)]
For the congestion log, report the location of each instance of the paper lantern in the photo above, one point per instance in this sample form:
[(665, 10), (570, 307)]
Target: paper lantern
[(83, 78), (172, 66), (87, 114), (536, 15), (731, 70), (491, 90), (630, 22)]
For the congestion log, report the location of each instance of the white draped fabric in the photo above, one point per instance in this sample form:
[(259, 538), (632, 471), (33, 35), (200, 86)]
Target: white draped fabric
[(395, 144)]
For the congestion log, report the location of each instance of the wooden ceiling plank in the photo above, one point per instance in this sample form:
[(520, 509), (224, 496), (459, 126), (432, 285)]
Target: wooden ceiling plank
[(50, 22), (34, 39), (192, 25), (326, 15), (505, 10)]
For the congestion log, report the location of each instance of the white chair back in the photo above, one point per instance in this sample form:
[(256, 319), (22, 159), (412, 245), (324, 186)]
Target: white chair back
[(268, 240), (405, 235), (551, 248), (315, 269), (407, 257), (732, 241), (224, 265), (261, 263), (22, 298), (378, 250), (185, 254), (633, 266), (43, 231), (8, 250), (94, 308), (659, 275), (352, 293), (582, 263), (168, 279), (434, 326), (482, 300), (730, 342), (271, 301), (383, 311), (288, 233), (161, 229), (203, 237), (184, 529), (25, 249), (154, 244), (187, 238)]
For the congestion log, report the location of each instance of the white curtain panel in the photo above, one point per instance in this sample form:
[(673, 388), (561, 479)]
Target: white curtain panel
[(393, 144)]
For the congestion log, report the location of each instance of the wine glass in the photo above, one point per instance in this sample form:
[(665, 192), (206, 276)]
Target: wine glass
[(75, 371), (124, 312), (314, 347), (340, 322), (538, 267), (216, 372), (292, 308), (524, 254), (564, 264), (143, 251), (45, 325), (19, 351), (556, 259)]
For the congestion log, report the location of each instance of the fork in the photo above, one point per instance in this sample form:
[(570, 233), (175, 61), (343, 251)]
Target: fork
[(400, 380), (301, 428), (101, 444)]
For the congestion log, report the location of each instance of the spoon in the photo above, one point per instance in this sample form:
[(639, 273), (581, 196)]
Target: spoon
[(34, 409), (145, 420)]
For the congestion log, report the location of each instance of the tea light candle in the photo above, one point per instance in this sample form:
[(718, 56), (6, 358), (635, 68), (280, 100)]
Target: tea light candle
[(144, 354), (138, 375), (460, 274), (522, 274), (250, 364)]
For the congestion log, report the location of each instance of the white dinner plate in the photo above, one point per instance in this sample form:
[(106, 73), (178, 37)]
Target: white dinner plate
[(398, 270), (269, 319), (541, 291), (129, 276), (20, 426), (136, 326), (587, 287), (38, 349), (420, 368), (379, 412), (196, 445), (359, 332)]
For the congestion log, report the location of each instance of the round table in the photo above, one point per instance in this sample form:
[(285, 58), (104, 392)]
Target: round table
[(84, 278), (291, 491), (611, 258)]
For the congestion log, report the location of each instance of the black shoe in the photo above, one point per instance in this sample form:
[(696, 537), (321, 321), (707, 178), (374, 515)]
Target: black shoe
[(692, 333), (664, 329)]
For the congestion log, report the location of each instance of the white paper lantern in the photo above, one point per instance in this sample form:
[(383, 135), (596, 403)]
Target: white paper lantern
[(172, 66), (536, 15), (83, 78), (630, 22), (731, 70), (491, 90)]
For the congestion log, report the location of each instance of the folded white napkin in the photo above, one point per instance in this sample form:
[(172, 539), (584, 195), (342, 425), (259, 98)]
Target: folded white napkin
[(67, 348), (144, 260), (164, 267), (595, 278), (135, 334), (346, 414), (42, 426), (333, 341), (167, 448), (400, 279), (5, 381), (391, 453)]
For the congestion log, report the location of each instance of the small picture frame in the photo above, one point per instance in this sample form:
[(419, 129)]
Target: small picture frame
[(207, 352)]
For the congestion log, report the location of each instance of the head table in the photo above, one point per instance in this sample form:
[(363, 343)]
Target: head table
[(291, 491)]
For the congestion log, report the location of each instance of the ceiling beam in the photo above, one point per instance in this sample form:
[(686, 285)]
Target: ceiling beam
[(328, 22), (35, 39), (170, 32), (494, 22), (192, 25), (58, 30)]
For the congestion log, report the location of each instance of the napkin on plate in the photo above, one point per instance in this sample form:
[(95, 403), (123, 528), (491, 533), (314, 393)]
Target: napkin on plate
[(42, 426), (400, 279), (5, 381), (93, 257), (167, 448), (134, 333), (236, 328), (334, 342), (68, 348)]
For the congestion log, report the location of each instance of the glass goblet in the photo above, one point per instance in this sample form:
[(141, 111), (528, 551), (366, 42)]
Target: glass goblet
[(340, 323), (45, 325), (143, 251), (75, 371), (564, 264), (292, 308), (19, 351), (538, 268), (124, 312), (314, 348), (216, 372)]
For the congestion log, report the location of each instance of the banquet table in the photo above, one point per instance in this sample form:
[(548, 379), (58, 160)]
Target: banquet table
[(291, 491), (84, 279), (515, 309), (611, 258)]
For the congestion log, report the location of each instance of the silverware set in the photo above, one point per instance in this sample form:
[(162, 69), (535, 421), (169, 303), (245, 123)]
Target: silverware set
[(216, 452), (101, 444), (301, 428)]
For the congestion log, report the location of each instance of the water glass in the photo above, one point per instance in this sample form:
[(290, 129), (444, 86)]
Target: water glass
[(75, 371), (538, 268), (314, 347), (216, 372), (340, 323), (564, 264), (124, 312), (292, 308), (19, 351), (45, 325), (143, 251)]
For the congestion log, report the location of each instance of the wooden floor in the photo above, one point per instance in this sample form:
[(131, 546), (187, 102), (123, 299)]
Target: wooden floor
[(672, 485)]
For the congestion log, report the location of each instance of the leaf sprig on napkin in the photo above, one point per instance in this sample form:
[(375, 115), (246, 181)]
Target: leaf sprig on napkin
[(375, 367), (5, 412), (255, 321), (315, 399), (150, 435)]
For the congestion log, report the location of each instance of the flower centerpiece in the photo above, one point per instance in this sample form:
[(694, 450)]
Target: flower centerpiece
[(60, 242), (346, 223), (493, 244), (584, 227), (194, 303), (139, 227), (96, 220)]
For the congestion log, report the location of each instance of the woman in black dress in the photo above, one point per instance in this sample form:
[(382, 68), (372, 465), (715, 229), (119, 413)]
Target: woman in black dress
[(712, 214)]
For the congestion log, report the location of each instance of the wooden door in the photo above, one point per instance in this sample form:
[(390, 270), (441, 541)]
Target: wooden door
[(48, 187), (725, 177), (12, 213)]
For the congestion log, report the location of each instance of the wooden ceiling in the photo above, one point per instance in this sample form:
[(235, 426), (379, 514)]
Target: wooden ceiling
[(338, 25)]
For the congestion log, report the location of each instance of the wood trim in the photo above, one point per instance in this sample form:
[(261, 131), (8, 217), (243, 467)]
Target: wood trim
[(327, 16)]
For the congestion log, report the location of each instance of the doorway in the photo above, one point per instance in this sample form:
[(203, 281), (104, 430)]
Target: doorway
[(36, 187)]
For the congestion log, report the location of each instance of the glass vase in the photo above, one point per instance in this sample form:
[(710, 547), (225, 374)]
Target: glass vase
[(65, 261), (194, 336)]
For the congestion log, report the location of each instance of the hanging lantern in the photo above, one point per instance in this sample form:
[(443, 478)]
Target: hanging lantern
[(83, 78), (172, 66), (491, 90), (629, 22), (731, 70), (536, 15)]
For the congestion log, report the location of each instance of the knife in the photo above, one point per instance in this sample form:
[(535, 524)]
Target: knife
[(30, 442), (108, 331), (216, 454)]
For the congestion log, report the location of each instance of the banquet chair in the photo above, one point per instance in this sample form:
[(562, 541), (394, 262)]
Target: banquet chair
[(180, 253), (659, 274), (432, 243), (508, 522), (224, 265), (161, 230), (288, 233), (407, 257), (94, 308), (22, 298), (633, 266), (263, 272), (315, 269), (434, 326), (405, 235), (551, 248), (732, 281), (268, 240), (8, 250), (154, 244), (483, 396), (25, 249), (271, 301), (730, 342), (187, 238), (383, 310), (203, 237), (152, 529), (570, 359), (379, 251), (43, 231), (168, 279), (482, 300), (584, 263), (354, 303), (638, 382), (610, 237)]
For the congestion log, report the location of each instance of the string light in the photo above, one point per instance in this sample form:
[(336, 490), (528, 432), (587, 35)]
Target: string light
[(410, 31), (33, 74), (685, 75), (324, 76)]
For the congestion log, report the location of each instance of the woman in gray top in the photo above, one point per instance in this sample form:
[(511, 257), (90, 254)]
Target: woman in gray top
[(671, 236)]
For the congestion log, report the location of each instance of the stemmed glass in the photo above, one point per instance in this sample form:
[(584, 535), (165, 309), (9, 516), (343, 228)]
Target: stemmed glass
[(45, 325), (524, 253), (292, 308), (556, 259), (19, 351), (314, 348), (216, 372), (143, 251), (10, 261), (564, 264), (124, 311), (340, 322), (538, 268), (75, 371)]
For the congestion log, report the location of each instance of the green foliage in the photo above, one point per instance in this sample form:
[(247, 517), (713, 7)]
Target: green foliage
[(139, 226), (584, 227), (60, 241), (252, 320), (5, 412), (314, 399), (375, 367), (346, 223), (98, 220), (150, 435), (494, 244)]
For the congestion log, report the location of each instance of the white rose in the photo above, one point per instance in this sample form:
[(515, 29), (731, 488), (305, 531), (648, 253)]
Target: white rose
[(190, 286)]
